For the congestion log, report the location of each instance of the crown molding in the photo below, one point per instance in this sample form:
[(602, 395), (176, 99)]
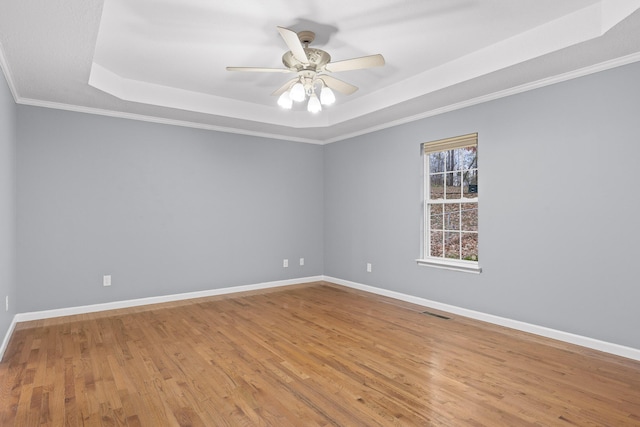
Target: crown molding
[(592, 69), (160, 120)]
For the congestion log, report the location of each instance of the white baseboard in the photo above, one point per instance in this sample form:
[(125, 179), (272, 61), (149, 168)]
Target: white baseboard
[(47, 314), (607, 347), (37, 315), (619, 350), (7, 337)]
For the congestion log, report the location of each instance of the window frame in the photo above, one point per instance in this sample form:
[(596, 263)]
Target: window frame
[(428, 148)]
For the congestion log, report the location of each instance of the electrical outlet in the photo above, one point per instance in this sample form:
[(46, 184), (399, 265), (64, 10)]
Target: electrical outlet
[(301, 261), (368, 267), (106, 280), (285, 263)]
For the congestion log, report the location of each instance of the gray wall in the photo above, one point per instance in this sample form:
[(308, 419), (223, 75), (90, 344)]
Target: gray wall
[(163, 209), (558, 199), (7, 206), (168, 210)]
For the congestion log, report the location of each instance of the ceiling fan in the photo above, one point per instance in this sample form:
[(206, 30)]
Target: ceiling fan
[(312, 67)]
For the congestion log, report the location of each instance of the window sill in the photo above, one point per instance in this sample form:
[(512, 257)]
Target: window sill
[(451, 264)]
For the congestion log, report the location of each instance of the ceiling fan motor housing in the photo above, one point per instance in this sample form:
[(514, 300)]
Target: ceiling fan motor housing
[(313, 67), (317, 58)]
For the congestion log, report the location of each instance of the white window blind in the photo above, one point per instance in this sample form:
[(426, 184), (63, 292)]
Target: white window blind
[(450, 143)]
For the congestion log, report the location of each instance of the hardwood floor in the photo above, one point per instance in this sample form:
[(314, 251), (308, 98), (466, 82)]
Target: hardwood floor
[(307, 355)]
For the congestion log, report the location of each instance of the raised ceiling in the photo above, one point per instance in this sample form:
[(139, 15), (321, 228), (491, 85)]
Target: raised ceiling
[(165, 60)]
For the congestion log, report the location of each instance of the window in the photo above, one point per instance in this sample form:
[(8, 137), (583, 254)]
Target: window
[(450, 238)]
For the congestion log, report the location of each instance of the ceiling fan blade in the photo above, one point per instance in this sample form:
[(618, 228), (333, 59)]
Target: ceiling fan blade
[(284, 87), (260, 69), (339, 85), (293, 43), (356, 63)]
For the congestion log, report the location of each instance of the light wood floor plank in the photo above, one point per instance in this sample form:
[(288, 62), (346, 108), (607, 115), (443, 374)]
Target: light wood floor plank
[(308, 355)]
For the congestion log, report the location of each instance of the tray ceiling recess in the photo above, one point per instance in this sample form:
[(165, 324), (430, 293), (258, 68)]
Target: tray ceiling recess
[(167, 61)]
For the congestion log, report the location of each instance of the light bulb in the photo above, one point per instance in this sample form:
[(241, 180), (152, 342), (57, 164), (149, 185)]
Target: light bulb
[(314, 104), (326, 96), (297, 92), (285, 101)]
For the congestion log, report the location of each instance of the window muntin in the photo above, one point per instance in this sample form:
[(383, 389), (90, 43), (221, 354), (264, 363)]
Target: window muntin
[(451, 203)]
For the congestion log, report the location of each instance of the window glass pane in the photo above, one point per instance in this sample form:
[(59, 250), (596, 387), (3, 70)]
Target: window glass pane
[(469, 213), (470, 246), (437, 186), (452, 217), (451, 160), (435, 248), (436, 216), (469, 157), (452, 245), (470, 184), (436, 162), (454, 188)]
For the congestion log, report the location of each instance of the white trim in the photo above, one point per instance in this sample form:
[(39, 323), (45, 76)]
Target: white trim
[(451, 264), (592, 69), (603, 66), (4, 69), (607, 347), (4, 66), (7, 337), (616, 349), (46, 314), (153, 119)]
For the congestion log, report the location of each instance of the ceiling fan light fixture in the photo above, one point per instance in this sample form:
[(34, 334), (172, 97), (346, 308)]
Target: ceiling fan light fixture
[(327, 97), (285, 101), (311, 66), (297, 93), (314, 104)]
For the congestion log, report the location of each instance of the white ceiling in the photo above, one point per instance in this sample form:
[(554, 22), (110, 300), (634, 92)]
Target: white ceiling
[(164, 60)]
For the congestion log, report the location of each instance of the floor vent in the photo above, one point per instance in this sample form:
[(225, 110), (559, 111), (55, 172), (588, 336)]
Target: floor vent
[(439, 316)]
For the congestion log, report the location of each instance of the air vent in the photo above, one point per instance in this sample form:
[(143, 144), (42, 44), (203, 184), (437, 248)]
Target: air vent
[(439, 316)]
